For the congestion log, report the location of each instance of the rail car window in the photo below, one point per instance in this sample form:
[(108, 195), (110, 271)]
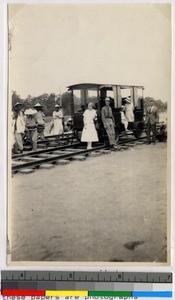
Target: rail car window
[(138, 97), (110, 94), (92, 96), (79, 103), (126, 93)]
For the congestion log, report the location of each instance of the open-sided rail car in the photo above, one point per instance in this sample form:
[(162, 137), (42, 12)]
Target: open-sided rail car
[(84, 93)]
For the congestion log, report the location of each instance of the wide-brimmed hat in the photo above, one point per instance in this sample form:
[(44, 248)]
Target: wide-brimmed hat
[(107, 99), (56, 105), (30, 112), (37, 105), (128, 100)]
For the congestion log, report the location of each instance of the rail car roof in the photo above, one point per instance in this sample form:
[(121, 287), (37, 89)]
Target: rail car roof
[(97, 85)]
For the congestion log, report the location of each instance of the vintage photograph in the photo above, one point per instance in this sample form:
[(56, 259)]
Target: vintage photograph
[(89, 98)]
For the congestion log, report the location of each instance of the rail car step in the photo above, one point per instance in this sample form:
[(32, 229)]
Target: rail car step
[(79, 158), (26, 171), (62, 162)]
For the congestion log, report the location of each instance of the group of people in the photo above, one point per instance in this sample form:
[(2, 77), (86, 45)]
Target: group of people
[(30, 123), (89, 133)]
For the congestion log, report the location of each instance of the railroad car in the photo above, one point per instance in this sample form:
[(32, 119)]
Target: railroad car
[(82, 94)]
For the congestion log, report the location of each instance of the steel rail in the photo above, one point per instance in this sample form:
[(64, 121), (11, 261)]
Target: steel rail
[(55, 136), (55, 158), (50, 149), (55, 140), (38, 162)]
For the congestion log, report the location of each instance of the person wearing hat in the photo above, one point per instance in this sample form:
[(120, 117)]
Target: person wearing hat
[(129, 112), (19, 127), (108, 122), (89, 133), (31, 127), (152, 117), (57, 121), (123, 118), (40, 120)]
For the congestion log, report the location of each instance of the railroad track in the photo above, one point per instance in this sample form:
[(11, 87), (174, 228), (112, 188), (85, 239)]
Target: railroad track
[(68, 137), (27, 162)]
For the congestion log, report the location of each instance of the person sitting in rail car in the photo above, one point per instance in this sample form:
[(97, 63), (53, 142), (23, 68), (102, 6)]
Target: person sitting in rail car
[(57, 124), (108, 122), (129, 112), (31, 127), (40, 120), (89, 133)]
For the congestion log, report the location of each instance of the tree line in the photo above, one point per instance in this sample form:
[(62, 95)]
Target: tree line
[(48, 101)]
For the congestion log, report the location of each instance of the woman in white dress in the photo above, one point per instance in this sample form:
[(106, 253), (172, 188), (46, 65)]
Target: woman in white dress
[(89, 133), (129, 111), (57, 125), (123, 118)]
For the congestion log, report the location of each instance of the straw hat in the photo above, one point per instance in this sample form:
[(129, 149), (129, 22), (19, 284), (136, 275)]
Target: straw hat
[(30, 111), (17, 104), (107, 99), (38, 105), (128, 100), (57, 106)]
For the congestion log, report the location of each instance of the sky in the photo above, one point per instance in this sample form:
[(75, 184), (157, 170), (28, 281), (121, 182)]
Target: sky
[(56, 45)]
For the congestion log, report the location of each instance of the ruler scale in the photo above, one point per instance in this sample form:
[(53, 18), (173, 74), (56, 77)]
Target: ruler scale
[(86, 284)]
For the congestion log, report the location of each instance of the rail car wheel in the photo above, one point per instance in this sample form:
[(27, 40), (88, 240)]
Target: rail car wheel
[(138, 129)]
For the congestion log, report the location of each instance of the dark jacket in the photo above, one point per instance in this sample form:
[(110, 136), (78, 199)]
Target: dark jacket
[(152, 115)]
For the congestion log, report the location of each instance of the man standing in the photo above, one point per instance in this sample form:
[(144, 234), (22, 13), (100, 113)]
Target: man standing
[(152, 117), (31, 127), (40, 120), (108, 122)]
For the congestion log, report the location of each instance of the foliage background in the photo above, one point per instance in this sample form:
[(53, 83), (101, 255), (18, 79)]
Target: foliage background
[(48, 102)]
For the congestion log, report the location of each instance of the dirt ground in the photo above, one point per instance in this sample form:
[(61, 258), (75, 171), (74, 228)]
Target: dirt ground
[(107, 208)]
